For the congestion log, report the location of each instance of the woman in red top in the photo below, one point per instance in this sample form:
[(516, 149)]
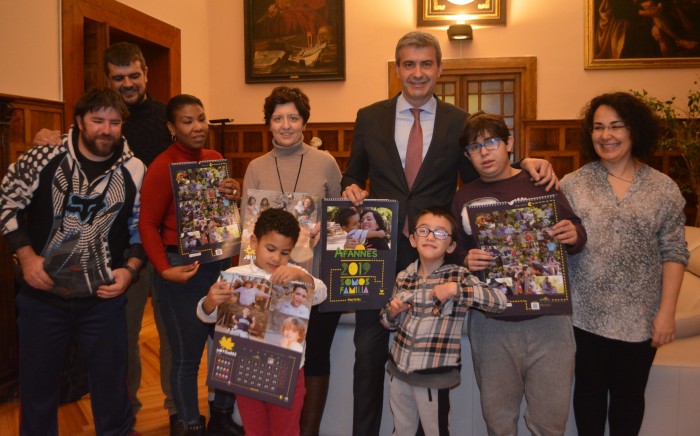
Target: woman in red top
[(181, 283)]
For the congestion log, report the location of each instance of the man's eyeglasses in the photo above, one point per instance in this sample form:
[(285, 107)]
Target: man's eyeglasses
[(490, 144), (423, 232), (613, 128)]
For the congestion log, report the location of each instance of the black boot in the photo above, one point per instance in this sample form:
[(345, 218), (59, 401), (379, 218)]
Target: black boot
[(314, 403), (173, 423), (182, 429), (221, 423)]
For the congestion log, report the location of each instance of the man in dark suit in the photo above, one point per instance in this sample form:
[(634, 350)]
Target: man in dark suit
[(379, 151)]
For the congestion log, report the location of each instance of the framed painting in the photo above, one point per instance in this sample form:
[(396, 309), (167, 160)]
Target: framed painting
[(446, 12), (642, 34), (294, 40)]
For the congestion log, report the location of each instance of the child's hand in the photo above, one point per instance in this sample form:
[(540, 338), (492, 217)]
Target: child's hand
[(396, 306), (285, 274), (565, 232), (444, 291), (218, 293), (381, 234), (478, 259)]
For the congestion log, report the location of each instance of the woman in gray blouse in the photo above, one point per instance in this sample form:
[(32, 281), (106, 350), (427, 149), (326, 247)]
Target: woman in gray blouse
[(625, 282)]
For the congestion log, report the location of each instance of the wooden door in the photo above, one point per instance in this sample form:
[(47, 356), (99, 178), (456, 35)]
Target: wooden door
[(90, 26)]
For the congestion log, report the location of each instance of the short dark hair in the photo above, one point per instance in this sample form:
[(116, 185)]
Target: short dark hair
[(122, 54), (440, 212), (100, 98), (277, 220), (300, 285), (479, 124), (418, 39), (175, 103), (284, 95), (640, 120), (345, 214)]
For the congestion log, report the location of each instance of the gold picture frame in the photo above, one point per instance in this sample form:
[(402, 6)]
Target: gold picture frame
[(625, 34), (443, 12)]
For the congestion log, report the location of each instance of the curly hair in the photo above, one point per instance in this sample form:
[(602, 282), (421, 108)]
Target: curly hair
[(481, 123), (284, 95), (344, 215), (377, 217), (640, 120), (439, 212), (276, 220)]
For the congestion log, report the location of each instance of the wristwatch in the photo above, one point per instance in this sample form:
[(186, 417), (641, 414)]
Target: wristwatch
[(133, 272)]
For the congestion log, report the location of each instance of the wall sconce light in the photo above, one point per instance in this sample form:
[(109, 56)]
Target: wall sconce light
[(460, 32)]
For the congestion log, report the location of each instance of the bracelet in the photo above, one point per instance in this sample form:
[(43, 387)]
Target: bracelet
[(133, 272)]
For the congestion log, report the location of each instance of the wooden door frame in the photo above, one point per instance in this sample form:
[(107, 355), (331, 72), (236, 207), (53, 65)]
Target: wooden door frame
[(118, 16)]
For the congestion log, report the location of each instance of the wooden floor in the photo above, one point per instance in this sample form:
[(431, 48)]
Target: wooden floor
[(75, 419)]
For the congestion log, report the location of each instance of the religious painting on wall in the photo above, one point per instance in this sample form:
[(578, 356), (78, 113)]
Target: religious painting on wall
[(294, 40), (642, 34)]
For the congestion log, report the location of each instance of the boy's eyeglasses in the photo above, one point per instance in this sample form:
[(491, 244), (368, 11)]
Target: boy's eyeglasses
[(613, 128), (423, 232), (490, 144)]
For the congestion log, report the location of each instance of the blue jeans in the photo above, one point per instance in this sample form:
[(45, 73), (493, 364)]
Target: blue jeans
[(100, 329), (188, 335)]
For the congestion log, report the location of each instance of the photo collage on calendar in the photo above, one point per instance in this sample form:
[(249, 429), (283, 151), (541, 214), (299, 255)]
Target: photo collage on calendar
[(208, 224), (259, 337), (303, 206), (530, 265)]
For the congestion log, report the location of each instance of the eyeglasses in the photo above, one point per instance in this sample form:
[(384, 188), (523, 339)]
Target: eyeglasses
[(440, 234), (613, 128), (490, 144)]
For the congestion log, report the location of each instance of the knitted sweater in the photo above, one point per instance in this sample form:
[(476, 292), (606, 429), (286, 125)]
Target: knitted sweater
[(318, 174), (146, 129)]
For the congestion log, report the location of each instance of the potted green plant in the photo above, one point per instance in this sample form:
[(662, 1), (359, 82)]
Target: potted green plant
[(681, 126)]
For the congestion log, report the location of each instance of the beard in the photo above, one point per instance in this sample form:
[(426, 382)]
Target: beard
[(99, 145)]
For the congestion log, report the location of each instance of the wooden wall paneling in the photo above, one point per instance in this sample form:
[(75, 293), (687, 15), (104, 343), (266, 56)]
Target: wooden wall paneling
[(20, 119), (245, 142), (554, 140)]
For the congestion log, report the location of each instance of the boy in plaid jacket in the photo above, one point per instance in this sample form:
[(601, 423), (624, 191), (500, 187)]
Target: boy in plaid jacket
[(427, 311)]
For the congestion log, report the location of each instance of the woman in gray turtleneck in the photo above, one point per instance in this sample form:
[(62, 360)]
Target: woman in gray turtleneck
[(293, 166)]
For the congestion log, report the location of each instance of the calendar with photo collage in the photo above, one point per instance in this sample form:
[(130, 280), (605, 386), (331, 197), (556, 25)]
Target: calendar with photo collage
[(208, 224), (259, 337)]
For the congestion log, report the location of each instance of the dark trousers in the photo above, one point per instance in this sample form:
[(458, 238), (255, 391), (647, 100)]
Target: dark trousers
[(188, 336), (607, 366), (100, 330), (371, 353), (319, 339)]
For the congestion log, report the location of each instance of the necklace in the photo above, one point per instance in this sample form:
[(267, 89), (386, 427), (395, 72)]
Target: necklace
[(301, 161), (625, 180)]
